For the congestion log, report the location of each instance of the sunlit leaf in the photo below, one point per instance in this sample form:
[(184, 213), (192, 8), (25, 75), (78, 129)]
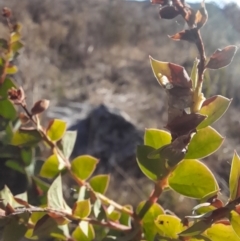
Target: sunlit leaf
[(15, 36), (168, 226), (56, 129), (82, 209), (234, 180), (79, 235), (201, 16), (204, 143), (7, 196), (194, 73), (214, 108), (84, 166), (156, 138), (99, 183), (235, 222), (68, 142), (221, 232), (170, 75), (55, 195), (50, 167), (222, 57), (26, 138), (149, 226), (193, 179), (16, 46), (12, 69)]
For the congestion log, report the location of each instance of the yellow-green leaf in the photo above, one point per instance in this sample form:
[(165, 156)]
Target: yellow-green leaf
[(84, 166), (205, 142), (150, 229), (235, 222), (234, 180), (213, 108), (168, 226), (13, 69), (79, 235), (156, 138), (50, 167), (193, 179), (26, 138), (221, 232), (82, 209), (56, 129), (100, 183)]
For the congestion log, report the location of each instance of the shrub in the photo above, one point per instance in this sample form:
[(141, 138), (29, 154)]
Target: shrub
[(168, 158)]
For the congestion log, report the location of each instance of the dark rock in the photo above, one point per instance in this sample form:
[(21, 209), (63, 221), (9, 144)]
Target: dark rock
[(108, 134)]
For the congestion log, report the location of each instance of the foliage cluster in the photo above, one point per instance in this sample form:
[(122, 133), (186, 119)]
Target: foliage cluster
[(168, 158)]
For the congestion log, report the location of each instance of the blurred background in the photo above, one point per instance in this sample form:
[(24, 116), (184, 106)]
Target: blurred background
[(90, 58)]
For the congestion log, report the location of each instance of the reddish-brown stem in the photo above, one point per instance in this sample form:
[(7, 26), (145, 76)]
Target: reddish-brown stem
[(151, 200), (81, 183), (202, 62)]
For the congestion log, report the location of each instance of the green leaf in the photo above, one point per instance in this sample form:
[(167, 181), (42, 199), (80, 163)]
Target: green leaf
[(7, 109), (11, 69), (235, 222), (26, 138), (194, 73), (100, 183), (221, 232), (149, 226), (204, 143), (55, 195), (16, 227), (196, 228), (156, 138), (16, 46), (82, 209), (15, 36), (56, 129), (234, 180), (15, 165), (193, 179), (84, 166), (125, 219), (27, 155), (50, 167), (113, 215), (213, 108), (168, 226), (44, 226), (68, 142), (79, 235), (165, 74), (7, 196), (7, 84), (154, 169)]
